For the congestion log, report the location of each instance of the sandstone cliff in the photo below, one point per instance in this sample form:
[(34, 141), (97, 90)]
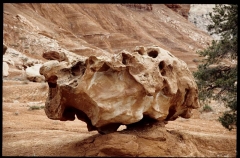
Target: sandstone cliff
[(93, 29), (182, 9)]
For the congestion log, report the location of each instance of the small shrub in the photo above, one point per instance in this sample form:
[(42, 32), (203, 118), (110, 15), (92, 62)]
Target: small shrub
[(207, 108), (34, 107), (228, 120), (195, 60)]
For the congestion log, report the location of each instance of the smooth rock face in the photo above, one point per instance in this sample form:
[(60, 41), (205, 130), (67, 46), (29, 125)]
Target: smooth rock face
[(124, 89)]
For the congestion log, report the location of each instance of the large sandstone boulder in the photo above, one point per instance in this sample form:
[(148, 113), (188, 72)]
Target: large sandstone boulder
[(145, 85), (32, 73)]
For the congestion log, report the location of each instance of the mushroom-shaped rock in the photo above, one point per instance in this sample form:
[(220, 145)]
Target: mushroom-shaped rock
[(33, 74), (147, 84)]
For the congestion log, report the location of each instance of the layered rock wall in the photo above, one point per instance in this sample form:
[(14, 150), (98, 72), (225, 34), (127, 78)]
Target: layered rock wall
[(182, 9)]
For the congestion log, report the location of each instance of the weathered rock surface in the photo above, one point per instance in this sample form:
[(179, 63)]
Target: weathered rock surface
[(4, 48), (182, 9), (5, 69), (147, 84), (32, 73), (54, 55), (154, 140), (85, 28)]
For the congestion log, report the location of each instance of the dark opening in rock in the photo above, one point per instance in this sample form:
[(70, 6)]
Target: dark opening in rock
[(163, 72), (69, 114), (140, 52), (78, 69), (52, 85), (166, 88), (170, 67), (52, 81), (83, 117), (153, 54), (161, 65), (186, 94), (172, 111), (105, 67), (124, 59), (144, 122)]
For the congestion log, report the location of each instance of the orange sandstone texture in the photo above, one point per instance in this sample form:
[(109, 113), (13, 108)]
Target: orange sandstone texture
[(147, 84)]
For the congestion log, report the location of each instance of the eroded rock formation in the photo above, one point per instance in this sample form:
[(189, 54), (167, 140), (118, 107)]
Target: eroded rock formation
[(32, 73), (146, 84), (182, 9), (139, 6)]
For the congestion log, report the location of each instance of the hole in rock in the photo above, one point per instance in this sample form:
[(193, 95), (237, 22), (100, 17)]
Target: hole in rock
[(53, 79), (145, 122), (93, 69), (78, 69), (171, 113), (166, 89), (52, 85), (108, 128), (124, 59), (163, 72), (140, 52), (161, 65), (186, 94), (105, 67), (170, 67), (153, 54), (91, 61), (69, 114), (145, 75)]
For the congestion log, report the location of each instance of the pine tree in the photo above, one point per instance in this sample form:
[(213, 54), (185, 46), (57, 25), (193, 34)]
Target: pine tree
[(216, 79)]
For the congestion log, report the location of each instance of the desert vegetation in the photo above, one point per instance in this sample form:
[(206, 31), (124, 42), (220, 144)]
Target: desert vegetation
[(217, 79)]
